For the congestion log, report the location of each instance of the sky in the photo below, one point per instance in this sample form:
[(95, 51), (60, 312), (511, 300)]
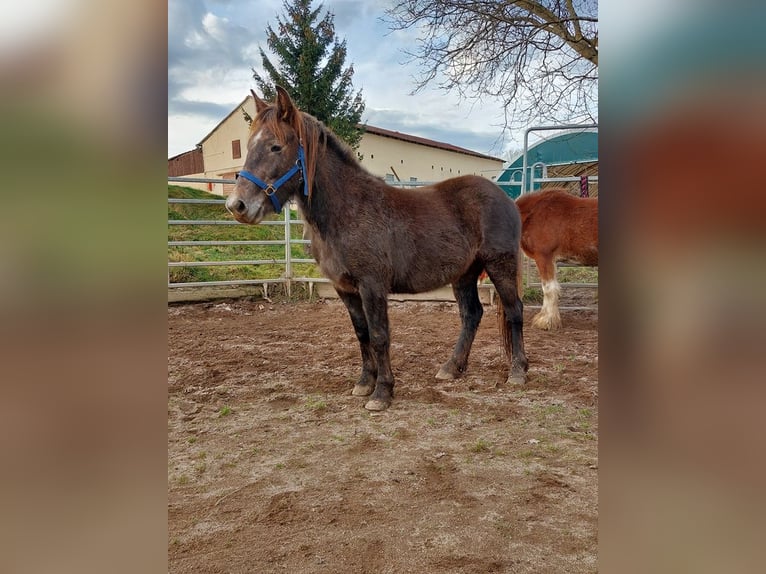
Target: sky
[(213, 44)]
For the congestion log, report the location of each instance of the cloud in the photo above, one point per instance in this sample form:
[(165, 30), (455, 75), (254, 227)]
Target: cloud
[(204, 109), (212, 47), (209, 59)]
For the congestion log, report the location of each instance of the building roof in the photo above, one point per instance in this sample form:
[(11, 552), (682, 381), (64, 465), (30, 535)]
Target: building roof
[(571, 147), (379, 132), (183, 153), (426, 142), (236, 108)]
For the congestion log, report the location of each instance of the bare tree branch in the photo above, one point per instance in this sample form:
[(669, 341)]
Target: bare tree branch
[(539, 57)]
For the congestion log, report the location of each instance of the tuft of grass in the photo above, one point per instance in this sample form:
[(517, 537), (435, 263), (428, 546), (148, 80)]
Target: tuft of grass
[(315, 404), (549, 410), (577, 274), (527, 454), (480, 446), (224, 412), (532, 295), (553, 449)]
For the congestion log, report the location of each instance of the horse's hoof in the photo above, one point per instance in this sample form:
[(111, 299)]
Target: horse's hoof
[(449, 371), (516, 380), (362, 390), (546, 323), (377, 405), (445, 375)]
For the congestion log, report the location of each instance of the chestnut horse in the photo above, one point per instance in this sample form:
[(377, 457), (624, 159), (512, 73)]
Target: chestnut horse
[(371, 239), (557, 226)]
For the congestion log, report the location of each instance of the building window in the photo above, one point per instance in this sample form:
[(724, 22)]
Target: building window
[(236, 150), (413, 179), (401, 161), (372, 156)]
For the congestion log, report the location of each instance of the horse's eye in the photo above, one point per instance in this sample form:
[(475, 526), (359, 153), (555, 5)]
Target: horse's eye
[(276, 148)]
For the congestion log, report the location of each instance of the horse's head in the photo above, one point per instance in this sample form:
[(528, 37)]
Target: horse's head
[(275, 165)]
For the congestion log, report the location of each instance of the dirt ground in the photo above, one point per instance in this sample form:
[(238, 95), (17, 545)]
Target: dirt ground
[(274, 467)]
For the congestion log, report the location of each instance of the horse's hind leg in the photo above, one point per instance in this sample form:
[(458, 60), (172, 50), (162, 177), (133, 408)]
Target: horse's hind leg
[(366, 383), (549, 317), (467, 296), (375, 306), (512, 318)]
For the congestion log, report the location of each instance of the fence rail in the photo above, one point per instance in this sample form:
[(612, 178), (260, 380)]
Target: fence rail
[(287, 260), (287, 278)]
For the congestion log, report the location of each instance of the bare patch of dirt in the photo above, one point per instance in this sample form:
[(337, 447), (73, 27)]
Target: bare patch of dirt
[(274, 467)]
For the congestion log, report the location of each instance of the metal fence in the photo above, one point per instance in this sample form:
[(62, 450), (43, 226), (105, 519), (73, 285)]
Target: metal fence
[(288, 278)]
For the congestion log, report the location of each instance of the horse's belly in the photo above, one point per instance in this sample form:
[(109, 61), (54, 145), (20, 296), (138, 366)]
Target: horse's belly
[(412, 288), (419, 279), (587, 257)]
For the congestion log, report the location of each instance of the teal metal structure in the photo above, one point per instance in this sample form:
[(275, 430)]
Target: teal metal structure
[(563, 149)]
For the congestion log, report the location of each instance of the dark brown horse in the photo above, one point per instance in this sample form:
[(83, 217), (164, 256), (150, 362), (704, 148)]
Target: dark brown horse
[(557, 226), (371, 239)]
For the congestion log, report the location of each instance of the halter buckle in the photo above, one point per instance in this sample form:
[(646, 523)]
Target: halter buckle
[(269, 190)]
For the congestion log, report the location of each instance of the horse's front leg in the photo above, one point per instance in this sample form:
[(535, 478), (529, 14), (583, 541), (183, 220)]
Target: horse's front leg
[(376, 310), (366, 383), (548, 318), (471, 310)]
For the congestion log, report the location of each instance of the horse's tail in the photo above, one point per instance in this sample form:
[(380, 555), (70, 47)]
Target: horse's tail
[(502, 324)]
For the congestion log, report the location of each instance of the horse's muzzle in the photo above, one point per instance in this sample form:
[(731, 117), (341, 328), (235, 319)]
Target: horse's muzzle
[(245, 211), (235, 206)]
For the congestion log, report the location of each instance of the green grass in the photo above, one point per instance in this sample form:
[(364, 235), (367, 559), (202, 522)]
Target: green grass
[(315, 404), (577, 274), (481, 445), (217, 212), (563, 275), (532, 295)]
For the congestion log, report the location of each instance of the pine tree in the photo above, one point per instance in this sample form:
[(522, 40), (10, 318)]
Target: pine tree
[(310, 66)]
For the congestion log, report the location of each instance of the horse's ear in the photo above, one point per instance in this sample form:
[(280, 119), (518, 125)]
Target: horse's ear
[(260, 105), (285, 108)]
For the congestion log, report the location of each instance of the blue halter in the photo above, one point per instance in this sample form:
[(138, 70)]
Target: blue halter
[(270, 189)]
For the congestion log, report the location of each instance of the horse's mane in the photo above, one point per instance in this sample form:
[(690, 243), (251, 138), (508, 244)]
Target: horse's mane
[(314, 135)]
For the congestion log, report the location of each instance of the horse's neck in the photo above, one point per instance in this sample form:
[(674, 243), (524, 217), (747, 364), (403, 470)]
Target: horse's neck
[(336, 194)]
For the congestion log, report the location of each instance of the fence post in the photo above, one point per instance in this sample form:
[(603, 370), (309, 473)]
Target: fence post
[(288, 250)]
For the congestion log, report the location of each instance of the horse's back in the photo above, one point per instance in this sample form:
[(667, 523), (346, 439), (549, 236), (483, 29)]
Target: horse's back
[(437, 232), (557, 223), (486, 210)]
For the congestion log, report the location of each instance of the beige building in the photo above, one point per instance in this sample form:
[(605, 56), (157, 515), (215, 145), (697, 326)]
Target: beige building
[(393, 156)]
